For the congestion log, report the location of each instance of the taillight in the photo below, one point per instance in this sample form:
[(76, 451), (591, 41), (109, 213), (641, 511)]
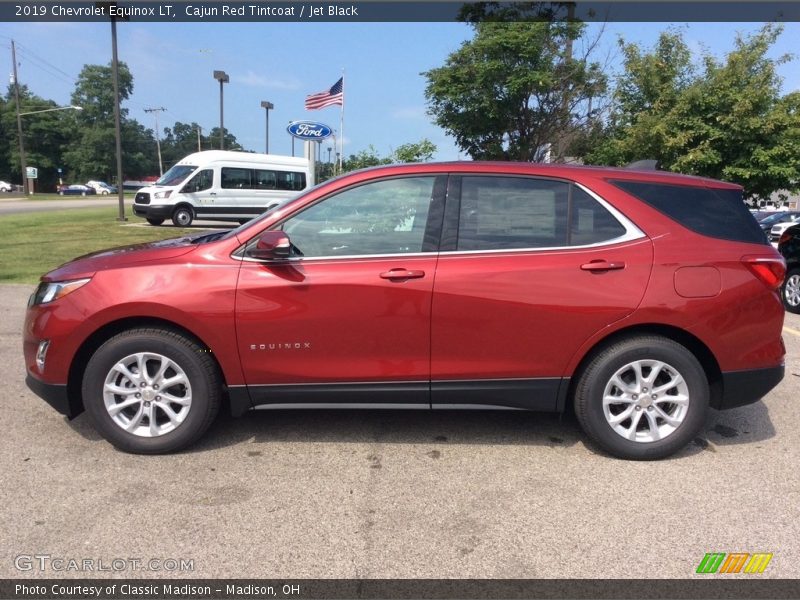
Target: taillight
[(770, 271)]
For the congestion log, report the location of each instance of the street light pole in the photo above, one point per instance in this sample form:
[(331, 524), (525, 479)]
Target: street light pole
[(269, 106), (222, 77), (19, 123)]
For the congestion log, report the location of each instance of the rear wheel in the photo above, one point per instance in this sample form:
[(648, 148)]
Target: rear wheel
[(183, 216), (150, 391), (155, 221), (790, 292), (643, 398)]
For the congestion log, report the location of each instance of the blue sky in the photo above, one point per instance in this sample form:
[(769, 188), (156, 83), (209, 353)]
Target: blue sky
[(172, 66)]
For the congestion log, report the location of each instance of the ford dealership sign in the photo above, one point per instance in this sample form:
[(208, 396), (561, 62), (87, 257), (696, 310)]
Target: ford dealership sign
[(309, 130)]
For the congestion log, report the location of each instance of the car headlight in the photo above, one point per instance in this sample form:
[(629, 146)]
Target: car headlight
[(48, 291), (161, 195)]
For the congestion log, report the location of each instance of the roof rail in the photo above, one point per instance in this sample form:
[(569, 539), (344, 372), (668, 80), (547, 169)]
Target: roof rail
[(644, 165)]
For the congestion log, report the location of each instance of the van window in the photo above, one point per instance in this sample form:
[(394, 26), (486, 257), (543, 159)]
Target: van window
[(200, 182), (177, 174), (236, 179), (262, 179)]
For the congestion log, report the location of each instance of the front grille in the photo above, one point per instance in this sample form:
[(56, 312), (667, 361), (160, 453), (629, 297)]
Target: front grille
[(142, 198)]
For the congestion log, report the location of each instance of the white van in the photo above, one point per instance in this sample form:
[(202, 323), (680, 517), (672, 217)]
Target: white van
[(223, 186)]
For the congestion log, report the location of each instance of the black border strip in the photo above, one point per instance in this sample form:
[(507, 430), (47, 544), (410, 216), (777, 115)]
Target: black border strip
[(399, 11)]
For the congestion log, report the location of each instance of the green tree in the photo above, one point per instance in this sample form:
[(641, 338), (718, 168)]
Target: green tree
[(515, 90), (728, 121), (92, 152), (45, 136), (421, 151)]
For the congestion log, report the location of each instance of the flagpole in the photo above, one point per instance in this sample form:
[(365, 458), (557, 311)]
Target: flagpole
[(341, 127)]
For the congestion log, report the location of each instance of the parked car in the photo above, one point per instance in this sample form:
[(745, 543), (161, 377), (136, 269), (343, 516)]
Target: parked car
[(789, 247), (638, 299), (102, 188), (776, 231), (6, 187), (76, 189), (775, 218)]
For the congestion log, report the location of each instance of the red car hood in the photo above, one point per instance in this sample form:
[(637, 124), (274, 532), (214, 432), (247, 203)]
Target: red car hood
[(87, 265)]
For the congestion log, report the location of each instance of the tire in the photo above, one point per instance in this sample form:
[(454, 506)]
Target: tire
[(197, 401), (612, 373), (183, 216), (790, 291), (104, 193), (155, 221)]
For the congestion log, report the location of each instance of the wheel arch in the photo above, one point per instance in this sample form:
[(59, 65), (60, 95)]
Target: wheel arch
[(105, 333), (689, 341)]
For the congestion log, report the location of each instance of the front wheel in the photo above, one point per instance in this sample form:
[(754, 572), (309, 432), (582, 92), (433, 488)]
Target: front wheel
[(155, 221), (790, 292), (151, 391), (183, 216), (643, 398)]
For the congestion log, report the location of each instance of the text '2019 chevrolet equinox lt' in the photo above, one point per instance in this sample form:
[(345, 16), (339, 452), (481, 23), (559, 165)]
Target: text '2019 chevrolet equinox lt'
[(637, 298)]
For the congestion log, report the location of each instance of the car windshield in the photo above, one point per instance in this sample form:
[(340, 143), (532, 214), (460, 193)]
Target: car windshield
[(176, 175)]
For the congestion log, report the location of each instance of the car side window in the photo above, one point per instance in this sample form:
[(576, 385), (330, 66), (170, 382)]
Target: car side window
[(505, 213), (203, 180), (590, 221), (382, 217), (499, 213)]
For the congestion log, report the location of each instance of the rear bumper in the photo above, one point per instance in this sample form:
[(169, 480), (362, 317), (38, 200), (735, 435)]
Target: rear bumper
[(746, 387), (55, 395)]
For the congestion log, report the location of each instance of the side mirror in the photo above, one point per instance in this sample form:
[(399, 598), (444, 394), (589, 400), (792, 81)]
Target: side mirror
[(271, 245)]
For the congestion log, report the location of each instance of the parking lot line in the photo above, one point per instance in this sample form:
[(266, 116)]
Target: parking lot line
[(792, 331)]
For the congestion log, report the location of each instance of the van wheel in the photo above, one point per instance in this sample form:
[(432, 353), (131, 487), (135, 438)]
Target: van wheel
[(155, 221), (150, 391), (643, 398), (183, 216), (790, 292)]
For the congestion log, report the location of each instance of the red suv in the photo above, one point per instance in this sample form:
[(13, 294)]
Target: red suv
[(637, 298)]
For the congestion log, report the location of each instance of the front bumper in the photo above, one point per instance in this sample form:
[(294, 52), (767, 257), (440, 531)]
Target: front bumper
[(149, 211), (746, 387), (55, 395)]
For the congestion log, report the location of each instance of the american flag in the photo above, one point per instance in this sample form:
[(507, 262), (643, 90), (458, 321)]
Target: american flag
[(335, 95)]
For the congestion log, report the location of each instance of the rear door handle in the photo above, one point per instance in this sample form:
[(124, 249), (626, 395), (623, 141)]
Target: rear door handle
[(398, 274), (600, 266)]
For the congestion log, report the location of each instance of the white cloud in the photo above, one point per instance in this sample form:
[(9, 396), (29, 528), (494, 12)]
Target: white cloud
[(253, 79)]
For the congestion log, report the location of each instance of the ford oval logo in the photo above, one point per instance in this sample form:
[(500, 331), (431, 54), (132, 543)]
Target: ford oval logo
[(309, 130)]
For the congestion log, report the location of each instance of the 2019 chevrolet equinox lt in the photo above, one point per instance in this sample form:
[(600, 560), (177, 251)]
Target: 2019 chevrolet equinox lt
[(637, 298)]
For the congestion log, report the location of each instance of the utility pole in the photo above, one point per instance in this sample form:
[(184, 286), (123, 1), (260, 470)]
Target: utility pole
[(117, 121), (155, 112), (19, 123), (199, 147)]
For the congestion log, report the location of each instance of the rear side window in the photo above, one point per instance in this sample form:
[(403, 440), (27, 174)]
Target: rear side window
[(504, 213), (716, 213)]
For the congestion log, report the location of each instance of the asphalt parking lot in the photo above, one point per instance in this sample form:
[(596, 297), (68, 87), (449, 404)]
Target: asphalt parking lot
[(307, 494)]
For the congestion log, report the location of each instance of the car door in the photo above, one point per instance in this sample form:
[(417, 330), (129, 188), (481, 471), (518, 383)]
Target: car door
[(529, 269), (199, 191), (347, 319)]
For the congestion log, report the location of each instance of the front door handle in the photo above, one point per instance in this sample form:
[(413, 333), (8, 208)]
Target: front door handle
[(402, 274), (601, 266)]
